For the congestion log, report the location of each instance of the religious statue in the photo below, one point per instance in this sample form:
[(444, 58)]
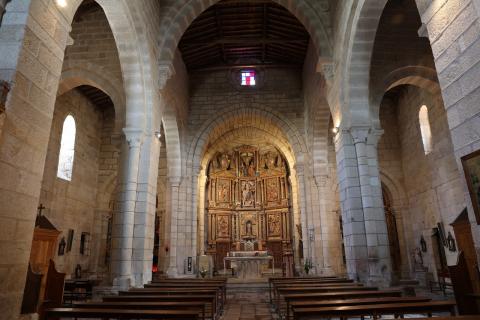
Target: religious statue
[(223, 191), (272, 189), (248, 193), (418, 259), (274, 225), (248, 228)]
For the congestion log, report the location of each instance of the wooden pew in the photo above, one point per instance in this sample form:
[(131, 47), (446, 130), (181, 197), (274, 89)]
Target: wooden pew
[(272, 282), (222, 287), (279, 292), (351, 302), (162, 305), (375, 310), (121, 314), (289, 298), (219, 303), (210, 299)]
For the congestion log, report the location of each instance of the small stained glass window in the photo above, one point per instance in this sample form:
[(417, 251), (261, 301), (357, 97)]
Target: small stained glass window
[(248, 78), (67, 149)]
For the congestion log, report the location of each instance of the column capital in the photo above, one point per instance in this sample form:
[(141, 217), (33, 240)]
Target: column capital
[(365, 135), (134, 136), (174, 180), (165, 71)]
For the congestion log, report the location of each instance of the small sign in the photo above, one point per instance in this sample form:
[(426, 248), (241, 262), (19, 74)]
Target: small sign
[(189, 265)]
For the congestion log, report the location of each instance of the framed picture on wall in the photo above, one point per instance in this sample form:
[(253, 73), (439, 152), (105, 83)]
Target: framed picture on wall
[(471, 167)]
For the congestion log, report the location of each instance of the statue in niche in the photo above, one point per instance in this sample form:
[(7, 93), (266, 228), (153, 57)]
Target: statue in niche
[(223, 194), (248, 193), (274, 225), (223, 226), (248, 228), (224, 162), (272, 189), (247, 164)]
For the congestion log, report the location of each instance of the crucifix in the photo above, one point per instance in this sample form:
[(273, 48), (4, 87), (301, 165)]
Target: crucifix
[(40, 209)]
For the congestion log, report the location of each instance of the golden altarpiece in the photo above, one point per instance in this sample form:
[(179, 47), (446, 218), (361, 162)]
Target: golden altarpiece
[(248, 202)]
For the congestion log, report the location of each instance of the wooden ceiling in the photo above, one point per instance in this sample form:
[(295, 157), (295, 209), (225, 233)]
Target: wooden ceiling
[(236, 32), (98, 98)]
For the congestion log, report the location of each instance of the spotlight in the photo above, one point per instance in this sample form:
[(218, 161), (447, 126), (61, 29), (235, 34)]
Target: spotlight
[(158, 134), (335, 130), (61, 3)]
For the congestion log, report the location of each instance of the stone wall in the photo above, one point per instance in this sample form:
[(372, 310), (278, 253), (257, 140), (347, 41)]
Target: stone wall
[(432, 182), (73, 204), (93, 42), (453, 30)]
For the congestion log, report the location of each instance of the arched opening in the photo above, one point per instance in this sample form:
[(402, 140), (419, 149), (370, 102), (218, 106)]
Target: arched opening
[(67, 149), (412, 113), (425, 129), (392, 229)]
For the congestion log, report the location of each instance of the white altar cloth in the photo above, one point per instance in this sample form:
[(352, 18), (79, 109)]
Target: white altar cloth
[(248, 267)]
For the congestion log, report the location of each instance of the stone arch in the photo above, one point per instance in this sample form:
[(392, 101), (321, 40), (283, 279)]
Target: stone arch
[(172, 144), (250, 132), (399, 201), (419, 76), (259, 116), (77, 74), (135, 61), (359, 50), (306, 12)]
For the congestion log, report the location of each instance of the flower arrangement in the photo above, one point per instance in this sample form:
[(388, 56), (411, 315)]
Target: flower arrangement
[(307, 265), (203, 272)]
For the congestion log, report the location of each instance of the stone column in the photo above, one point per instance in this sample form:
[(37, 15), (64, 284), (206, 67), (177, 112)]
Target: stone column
[(323, 231), (301, 191), (364, 226), (172, 206), (124, 214), (144, 224), (379, 264)]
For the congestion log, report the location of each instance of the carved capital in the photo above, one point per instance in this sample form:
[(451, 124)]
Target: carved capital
[(326, 66), (423, 31), (360, 134), (367, 135), (321, 180), (165, 72), (134, 137), (174, 180)]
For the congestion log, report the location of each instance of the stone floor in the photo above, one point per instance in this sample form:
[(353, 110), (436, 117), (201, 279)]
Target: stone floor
[(248, 306)]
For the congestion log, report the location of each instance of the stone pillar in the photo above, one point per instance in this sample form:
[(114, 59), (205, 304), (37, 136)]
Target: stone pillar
[(364, 226), (366, 141), (301, 190), (172, 212), (144, 224), (323, 231), (124, 215)]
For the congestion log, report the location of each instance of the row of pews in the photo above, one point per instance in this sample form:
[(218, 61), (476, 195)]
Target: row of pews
[(164, 299), (333, 297)]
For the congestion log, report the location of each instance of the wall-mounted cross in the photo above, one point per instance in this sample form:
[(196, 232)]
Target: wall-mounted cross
[(40, 209)]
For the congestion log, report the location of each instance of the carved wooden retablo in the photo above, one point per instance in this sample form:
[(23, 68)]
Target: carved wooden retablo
[(248, 200)]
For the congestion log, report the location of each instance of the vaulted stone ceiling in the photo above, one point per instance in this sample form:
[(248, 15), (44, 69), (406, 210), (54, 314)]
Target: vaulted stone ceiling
[(238, 32)]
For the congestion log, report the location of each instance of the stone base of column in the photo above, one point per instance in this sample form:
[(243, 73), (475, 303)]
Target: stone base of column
[(326, 271), (172, 272), (122, 283)]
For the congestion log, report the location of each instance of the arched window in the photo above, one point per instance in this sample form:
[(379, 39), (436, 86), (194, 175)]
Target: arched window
[(67, 149), (425, 129)]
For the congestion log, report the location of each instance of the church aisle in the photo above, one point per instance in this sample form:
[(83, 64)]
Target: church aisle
[(248, 306)]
